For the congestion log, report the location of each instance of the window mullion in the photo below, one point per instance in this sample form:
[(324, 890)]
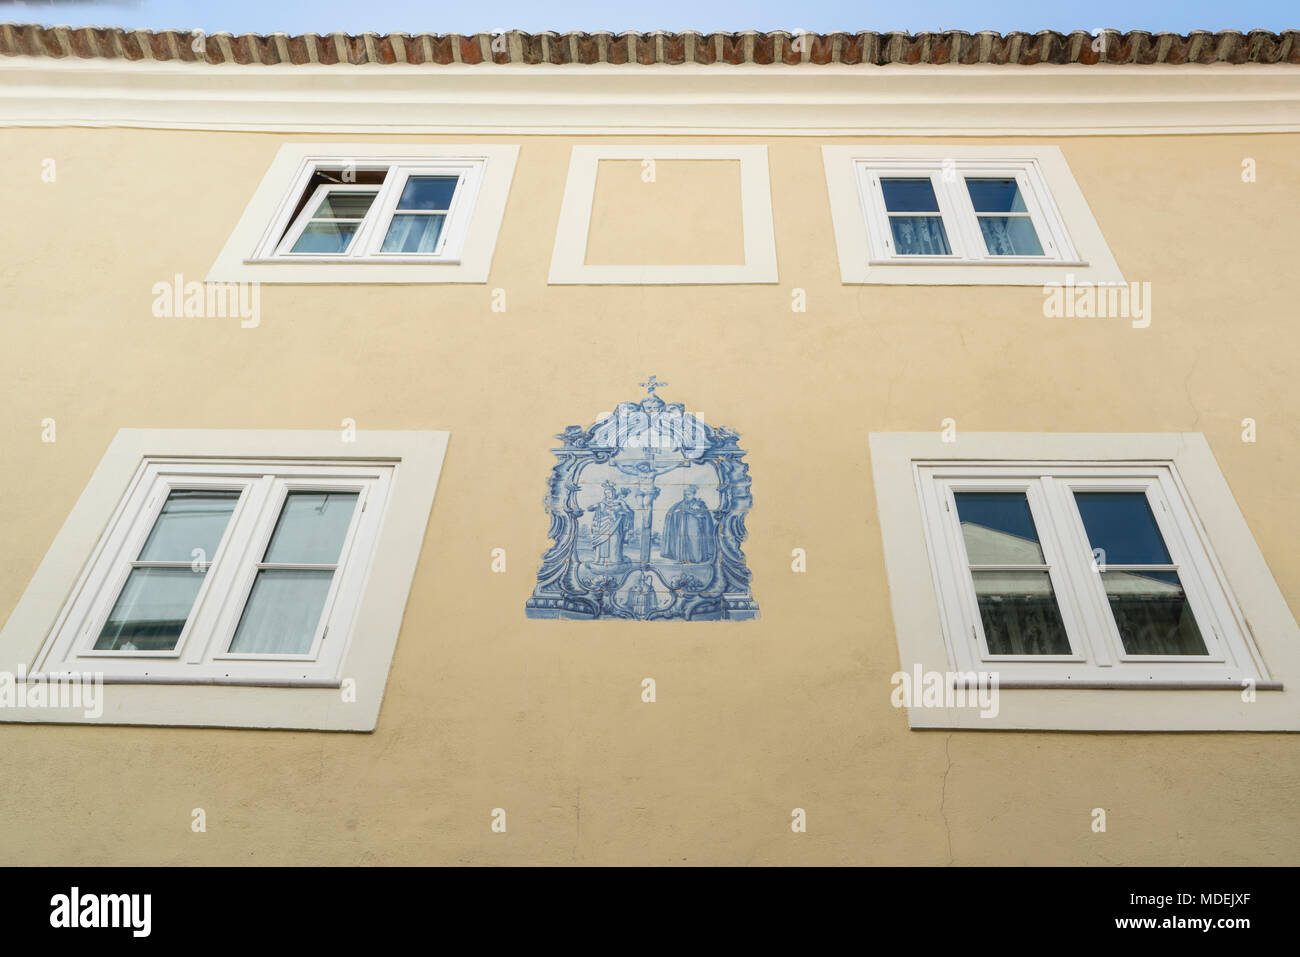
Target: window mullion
[(950, 210), (963, 212), (244, 538), (375, 226), (1078, 577)]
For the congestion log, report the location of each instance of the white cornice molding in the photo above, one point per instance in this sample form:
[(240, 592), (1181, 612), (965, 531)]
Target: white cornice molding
[(832, 100)]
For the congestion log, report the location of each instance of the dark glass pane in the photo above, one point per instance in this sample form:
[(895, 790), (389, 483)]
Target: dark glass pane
[(909, 195), (151, 610), (995, 195), (189, 520), (998, 528), (1019, 613), (1152, 613), (311, 528), (1121, 524), (919, 236), (428, 192)]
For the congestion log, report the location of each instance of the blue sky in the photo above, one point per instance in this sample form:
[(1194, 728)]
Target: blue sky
[(440, 16)]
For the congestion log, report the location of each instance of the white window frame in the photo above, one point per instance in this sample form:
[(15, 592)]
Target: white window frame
[(296, 228), (960, 221), (371, 487), (258, 248), (201, 682), (202, 651), (1074, 249), (1097, 653), (285, 229), (1247, 680)]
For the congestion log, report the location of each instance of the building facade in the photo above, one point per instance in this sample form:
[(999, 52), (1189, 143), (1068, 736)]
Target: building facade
[(649, 449)]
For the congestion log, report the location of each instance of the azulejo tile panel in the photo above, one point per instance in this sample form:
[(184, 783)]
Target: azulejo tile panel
[(647, 511)]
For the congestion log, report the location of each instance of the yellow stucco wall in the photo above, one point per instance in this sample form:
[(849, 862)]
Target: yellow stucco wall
[(666, 213), (487, 709)]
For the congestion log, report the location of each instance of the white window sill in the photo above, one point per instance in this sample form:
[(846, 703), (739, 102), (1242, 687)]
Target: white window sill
[(1152, 684), (975, 263), (344, 260)]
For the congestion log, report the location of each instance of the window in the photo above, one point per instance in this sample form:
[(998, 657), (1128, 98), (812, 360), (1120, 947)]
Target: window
[(390, 212), (200, 560), (226, 572), (369, 213), (961, 211), (1109, 581), (1076, 573), (962, 215)]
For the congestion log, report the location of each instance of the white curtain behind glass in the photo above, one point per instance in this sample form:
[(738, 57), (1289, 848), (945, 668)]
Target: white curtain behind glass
[(416, 233), (283, 612), (920, 236)]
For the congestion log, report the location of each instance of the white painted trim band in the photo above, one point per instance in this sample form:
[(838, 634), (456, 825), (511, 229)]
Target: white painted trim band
[(717, 100)]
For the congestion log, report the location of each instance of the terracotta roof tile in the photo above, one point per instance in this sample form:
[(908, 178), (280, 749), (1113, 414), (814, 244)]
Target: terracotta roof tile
[(659, 47)]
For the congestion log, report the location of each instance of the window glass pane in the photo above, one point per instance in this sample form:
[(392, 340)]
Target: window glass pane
[(311, 528), (325, 237), (995, 195), (1010, 236), (428, 192), (1152, 613), (998, 528), (919, 236), (189, 520), (416, 233), (345, 204), (1122, 526), (909, 195), (283, 612), (1019, 613), (151, 611)]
